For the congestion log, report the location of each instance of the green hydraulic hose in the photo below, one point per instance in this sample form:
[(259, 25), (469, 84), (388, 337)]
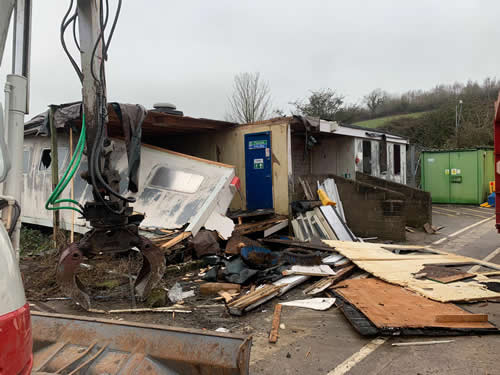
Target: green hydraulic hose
[(68, 175)]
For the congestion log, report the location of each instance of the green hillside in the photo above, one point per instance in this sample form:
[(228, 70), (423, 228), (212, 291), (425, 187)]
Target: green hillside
[(381, 121)]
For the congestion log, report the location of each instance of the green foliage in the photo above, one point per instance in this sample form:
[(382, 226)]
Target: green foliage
[(383, 121), (436, 129), (323, 103), (426, 117), (34, 241)]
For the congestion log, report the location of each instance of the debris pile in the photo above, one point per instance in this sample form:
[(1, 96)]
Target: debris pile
[(382, 289), (323, 219)]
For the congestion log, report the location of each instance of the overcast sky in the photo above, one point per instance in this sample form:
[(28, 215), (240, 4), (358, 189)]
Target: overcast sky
[(187, 52)]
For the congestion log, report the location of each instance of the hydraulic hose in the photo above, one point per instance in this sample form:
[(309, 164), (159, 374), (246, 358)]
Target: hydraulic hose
[(68, 175)]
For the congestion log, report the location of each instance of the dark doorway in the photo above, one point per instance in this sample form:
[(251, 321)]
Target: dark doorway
[(367, 157), (397, 159)]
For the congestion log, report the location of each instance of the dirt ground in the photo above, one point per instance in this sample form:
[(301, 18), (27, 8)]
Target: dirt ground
[(108, 284)]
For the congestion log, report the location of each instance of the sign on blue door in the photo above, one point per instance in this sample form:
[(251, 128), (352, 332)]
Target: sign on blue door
[(258, 171)]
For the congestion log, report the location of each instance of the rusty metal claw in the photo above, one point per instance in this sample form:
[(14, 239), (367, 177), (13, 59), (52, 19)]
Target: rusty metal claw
[(152, 270), (66, 276), (118, 240)]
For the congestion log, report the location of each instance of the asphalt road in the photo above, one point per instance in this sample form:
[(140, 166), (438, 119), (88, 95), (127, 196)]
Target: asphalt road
[(315, 342)]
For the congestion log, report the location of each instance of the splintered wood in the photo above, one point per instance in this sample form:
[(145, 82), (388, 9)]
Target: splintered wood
[(326, 282), (174, 241), (381, 261), (273, 335), (246, 302), (390, 306), (259, 226)]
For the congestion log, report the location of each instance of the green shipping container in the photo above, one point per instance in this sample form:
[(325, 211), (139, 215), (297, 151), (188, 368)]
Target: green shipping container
[(458, 176)]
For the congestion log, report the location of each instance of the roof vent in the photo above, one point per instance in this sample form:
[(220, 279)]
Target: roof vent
[(167, 108)]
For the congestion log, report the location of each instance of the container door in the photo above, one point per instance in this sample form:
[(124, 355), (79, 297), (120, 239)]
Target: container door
[(464, 177), (258, 171), (435, 175)]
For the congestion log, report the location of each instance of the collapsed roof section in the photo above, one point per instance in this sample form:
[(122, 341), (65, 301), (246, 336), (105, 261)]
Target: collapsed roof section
[(174, 190), (156, 123)]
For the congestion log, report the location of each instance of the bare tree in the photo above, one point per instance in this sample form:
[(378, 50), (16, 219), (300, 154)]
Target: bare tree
[(251, 99), (323, 103), (374, 100)]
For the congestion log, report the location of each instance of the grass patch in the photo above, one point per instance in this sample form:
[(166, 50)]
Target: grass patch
[(35, 241), (381, 121)]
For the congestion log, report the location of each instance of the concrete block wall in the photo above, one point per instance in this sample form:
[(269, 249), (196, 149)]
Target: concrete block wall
[(418, 203), (370, 211)]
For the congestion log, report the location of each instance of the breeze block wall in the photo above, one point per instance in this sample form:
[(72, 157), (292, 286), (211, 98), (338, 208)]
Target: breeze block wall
[(418, 203), (371, 211)]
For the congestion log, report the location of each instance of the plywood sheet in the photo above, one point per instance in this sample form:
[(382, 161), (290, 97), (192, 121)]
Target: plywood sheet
[(390, 306), (380, 261)]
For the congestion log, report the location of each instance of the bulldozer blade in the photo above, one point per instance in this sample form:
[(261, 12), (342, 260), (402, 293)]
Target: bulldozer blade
[(66, 276), (66, 344)]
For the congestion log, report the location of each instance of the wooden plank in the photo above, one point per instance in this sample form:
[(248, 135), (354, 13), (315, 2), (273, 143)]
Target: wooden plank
[(275, 228), (321, 270), (254, 213), (327, 282), (391, 306), (445, 274), (174, 241), (253, 299), (273, 335), (214, 288), (400, 269), (306, 245), (227, 296), (420, 343), (452, 278), (307, 189), (461, 318), (258, 226)]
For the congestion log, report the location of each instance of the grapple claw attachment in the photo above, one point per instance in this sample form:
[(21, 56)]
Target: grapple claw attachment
[(152, 270), (67, 279)]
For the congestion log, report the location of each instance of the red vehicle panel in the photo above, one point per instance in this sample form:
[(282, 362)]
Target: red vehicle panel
[(496, 125), (16, 357)]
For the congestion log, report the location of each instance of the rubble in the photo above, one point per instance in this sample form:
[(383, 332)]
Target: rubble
[(266, 256)]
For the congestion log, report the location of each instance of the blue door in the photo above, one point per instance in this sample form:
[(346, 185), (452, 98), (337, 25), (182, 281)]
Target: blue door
[(258, 171)]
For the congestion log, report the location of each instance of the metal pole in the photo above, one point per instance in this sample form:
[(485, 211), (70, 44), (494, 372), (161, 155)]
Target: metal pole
[(412, 166), (6, 7), (55, 169), (15, 141), (89, 31), (18, 83), (72, 235)]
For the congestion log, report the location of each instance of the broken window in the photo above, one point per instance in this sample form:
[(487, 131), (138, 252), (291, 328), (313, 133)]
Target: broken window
[(367, 157), (382, 154), (397, 159), (171, 179), (46, 159)]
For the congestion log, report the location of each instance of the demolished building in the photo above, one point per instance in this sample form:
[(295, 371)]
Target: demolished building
[(174, 190)]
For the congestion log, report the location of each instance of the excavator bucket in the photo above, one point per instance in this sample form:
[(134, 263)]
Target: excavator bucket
[(66, 344)]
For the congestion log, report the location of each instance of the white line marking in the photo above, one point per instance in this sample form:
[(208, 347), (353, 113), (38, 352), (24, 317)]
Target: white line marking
[(462, 230), (441, 213), (476, 210), (471, 226), (410, 343), (487, 258), (447, 209), (357, 357), (439, 241)]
